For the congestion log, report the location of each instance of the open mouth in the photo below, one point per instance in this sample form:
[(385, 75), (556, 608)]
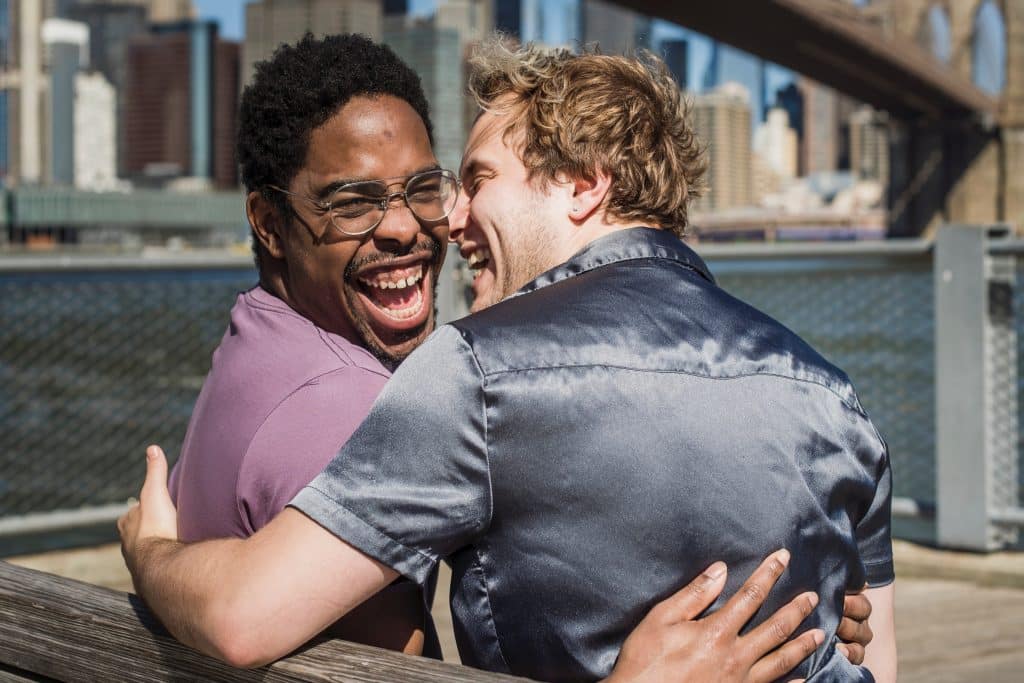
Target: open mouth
[(478, 261), (396, 297), (484, 268)]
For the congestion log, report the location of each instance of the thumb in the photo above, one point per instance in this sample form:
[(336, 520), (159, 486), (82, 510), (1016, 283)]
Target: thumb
[(155, 487)]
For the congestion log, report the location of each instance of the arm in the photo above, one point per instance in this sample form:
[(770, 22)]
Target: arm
[(248, 601), (880, 656)]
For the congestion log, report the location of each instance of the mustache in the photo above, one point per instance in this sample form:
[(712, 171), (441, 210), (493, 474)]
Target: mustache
[(425, 244)]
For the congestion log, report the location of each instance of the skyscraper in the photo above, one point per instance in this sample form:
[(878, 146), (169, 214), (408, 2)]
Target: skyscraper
[(268, 23), (23, 90), (869, 145), (615, 29), (675, 52), (95, 132), (508, 17), (181, 95), (6, 48), (436, 53), (722, 121), (111, 27), (728, 64), (68, 45), (820, 151)]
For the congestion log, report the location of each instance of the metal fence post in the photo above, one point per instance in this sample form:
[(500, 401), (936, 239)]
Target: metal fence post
[(975, 362)]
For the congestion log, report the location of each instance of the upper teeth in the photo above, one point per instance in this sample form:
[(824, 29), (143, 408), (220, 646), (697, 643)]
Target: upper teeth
[(381, 281), (479, 256)]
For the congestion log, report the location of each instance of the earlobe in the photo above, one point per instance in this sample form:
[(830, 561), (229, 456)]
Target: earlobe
[(265, 221), (589, 194)]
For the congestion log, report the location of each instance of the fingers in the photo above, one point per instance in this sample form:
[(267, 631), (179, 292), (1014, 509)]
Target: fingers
[(852, 651), (155, 485), (689, 601), (785, 659), (855, 632), (857, 607), (751, 595), (779, 626)]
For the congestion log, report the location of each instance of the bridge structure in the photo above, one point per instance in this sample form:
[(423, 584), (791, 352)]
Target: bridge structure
[(957, 152)]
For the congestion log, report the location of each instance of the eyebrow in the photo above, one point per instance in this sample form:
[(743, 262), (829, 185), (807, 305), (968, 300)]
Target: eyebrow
[(474, 166), (335, 185)]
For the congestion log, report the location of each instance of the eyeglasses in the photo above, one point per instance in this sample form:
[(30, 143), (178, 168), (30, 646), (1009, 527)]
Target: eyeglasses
[(357, 208)]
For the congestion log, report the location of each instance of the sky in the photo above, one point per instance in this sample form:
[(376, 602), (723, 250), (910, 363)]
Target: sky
[(229, 13)]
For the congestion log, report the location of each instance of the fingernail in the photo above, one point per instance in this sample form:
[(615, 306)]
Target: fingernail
[(814, 599), (715, 571), (818, 635), (151, 452), (783, 557)]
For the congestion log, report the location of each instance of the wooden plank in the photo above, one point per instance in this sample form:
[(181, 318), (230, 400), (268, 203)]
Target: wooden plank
[(68, 630), (10, 675)]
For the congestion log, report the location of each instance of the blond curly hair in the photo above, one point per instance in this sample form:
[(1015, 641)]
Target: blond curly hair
[(580, 113)]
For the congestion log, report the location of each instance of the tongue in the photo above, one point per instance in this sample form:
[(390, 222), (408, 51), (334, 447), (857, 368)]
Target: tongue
[(392, 299)]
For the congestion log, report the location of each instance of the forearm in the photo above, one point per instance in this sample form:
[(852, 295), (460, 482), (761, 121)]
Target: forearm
[(249, 602), (880, 656), (188, 590)]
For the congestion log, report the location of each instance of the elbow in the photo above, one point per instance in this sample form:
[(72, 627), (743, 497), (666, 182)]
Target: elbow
[(235, 639)]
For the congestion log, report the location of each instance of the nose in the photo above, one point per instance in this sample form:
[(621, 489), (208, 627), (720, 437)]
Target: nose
[(399, 228), (458, 217)]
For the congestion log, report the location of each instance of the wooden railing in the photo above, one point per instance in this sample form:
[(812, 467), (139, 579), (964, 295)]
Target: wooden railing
[(53, 628)]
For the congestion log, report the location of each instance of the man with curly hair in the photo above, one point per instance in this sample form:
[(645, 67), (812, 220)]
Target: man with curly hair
[(309, 348), (606, 424)]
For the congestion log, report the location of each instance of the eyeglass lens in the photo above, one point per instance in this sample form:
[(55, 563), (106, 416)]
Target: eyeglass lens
[(358, 207)]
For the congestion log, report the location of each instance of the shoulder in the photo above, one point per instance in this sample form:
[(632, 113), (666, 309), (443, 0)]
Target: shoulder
[(648, 314), (300, 436)]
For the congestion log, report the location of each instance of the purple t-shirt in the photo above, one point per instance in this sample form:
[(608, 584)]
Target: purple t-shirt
[(281, 398)]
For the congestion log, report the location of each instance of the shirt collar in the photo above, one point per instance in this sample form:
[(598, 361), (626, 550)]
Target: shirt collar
[(623, 245)]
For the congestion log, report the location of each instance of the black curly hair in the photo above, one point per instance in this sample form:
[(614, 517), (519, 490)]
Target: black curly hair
[(297, 90)]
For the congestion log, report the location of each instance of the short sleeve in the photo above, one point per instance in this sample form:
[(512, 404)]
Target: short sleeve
[(299, 437), (413, 485), (874, 532)]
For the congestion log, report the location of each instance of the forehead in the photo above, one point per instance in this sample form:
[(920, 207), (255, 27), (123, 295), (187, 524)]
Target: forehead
[(488, 143), (368, 137)]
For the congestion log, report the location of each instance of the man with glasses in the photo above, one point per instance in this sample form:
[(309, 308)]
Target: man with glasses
[(349, 232)]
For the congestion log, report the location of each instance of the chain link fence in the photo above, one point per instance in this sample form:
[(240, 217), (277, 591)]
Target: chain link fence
[(872, 315), (99, 360), (96, 362)]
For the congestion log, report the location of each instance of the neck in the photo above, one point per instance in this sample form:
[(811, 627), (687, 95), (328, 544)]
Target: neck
[(594, 228)]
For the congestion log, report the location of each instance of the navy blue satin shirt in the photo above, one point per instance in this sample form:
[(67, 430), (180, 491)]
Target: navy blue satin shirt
[(584, 448)]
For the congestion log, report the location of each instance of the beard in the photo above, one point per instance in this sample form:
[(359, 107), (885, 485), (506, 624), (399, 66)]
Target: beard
[(389, 358)]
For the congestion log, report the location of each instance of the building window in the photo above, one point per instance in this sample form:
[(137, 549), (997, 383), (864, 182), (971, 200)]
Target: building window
[(988, 51)]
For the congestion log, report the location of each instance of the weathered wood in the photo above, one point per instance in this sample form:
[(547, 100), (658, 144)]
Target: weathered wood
[(73, 631), (9, 675)]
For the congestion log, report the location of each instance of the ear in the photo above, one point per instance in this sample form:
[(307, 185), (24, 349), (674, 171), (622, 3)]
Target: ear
[(266, 222), (588, 195)]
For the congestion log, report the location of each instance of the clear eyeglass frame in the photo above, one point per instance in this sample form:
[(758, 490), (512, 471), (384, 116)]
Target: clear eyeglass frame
[(354, 213)]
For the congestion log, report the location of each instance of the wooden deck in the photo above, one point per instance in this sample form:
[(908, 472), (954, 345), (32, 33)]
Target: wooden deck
[(948, 631)]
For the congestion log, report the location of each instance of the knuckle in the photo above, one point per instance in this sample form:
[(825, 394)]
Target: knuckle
[(753, 593), (807, 605), (698, 588), (779, 630), (783, 663)]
